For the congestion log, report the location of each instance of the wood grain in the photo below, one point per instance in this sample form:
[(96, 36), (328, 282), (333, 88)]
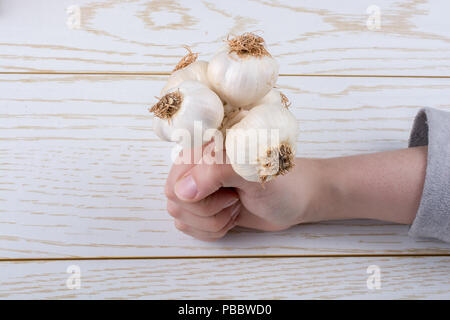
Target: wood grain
[(82, 173), (307, 37), (293, 278)]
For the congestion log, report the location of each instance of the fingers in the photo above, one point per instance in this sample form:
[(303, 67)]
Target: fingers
[(208, 206), (189, 159), (212, 223), (201, 198), (247, 219), (207, 228), (204, 179), (182, 164)]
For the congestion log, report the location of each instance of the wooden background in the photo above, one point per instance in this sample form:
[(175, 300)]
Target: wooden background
[(82, 173)]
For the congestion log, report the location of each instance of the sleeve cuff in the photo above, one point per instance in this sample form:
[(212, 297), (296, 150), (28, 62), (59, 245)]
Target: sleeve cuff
[(432, 127)]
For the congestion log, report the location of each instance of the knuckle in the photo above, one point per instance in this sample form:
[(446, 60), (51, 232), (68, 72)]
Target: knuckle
[(180, 226), (213, 174), (169, 192), (173, 209), (218, 235), (207, 206), (222, 233), (217, 224), (217, 173)]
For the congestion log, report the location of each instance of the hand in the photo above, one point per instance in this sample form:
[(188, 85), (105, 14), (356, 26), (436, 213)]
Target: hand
[(208, 200)]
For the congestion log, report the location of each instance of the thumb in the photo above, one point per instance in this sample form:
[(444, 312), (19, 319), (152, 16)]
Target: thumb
[(205, 179)]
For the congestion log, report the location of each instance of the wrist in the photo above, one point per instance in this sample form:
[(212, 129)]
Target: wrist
[(328, 191), (318, 191)]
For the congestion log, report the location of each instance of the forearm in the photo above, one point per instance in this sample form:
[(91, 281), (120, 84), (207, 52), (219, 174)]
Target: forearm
[(384, 186)]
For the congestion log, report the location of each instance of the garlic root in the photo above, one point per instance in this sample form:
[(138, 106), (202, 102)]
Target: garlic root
[(277, 161), (168, 105), (188, 68), (188, 59), (248, 44)]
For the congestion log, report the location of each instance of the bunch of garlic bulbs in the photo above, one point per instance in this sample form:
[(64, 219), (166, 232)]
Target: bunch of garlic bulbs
[(233, 93)]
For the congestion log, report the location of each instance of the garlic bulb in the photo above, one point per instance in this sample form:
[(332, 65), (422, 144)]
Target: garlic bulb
[(187, 69), (186, 109), (262, 145), (234, 95), (274, 97), (243, 72)]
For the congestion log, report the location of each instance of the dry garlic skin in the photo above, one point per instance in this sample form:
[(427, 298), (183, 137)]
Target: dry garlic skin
[(243, 72), (196, 71), (274, 96), (182, 108), (263, 144), (231, 117)]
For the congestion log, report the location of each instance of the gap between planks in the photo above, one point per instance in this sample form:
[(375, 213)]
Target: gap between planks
[(168, 73), (381, 255)]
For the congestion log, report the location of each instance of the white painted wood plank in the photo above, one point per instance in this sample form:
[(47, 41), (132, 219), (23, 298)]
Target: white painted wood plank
[(256, 278), (82, 173), (307, 37)]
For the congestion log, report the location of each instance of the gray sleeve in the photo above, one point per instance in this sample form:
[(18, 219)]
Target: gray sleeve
[(432, 127)]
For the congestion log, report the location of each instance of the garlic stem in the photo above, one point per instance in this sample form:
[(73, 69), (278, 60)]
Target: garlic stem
[(188, 59), (274, 96), (284, 100)]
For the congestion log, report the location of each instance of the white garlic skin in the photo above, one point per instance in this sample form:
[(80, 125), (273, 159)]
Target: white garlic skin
[(273, 97), (196, 71), (242, 81), (199, 103), (265, 117)]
